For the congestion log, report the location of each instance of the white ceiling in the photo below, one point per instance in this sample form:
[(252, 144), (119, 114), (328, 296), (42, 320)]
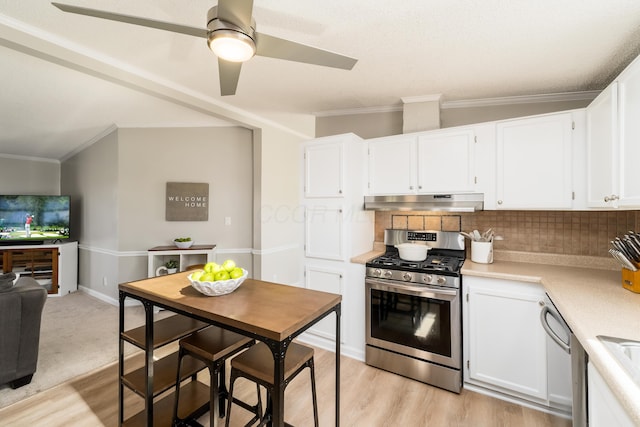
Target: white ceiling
[(67, 78)]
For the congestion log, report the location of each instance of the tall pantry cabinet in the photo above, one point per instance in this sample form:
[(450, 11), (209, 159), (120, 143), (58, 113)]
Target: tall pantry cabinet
[(336, 228)]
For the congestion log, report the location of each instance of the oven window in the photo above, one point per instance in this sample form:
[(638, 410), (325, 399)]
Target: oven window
[(417, 322)]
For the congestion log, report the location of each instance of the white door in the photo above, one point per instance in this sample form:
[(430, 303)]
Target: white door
[(323, 170), (445, 162), (601, 148), (534, 163), (324, 229), (392, 165), (325, 280), (507, 345)]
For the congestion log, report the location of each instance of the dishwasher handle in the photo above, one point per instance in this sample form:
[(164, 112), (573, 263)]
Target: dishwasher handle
[(545, 325)]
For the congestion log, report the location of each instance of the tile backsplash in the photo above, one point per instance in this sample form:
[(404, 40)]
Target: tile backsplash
[(566, 232)]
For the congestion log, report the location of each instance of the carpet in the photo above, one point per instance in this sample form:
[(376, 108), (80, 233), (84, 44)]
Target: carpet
[(79, 334)]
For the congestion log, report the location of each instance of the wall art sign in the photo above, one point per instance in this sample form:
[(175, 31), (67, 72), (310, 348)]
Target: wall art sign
[(187, 201)]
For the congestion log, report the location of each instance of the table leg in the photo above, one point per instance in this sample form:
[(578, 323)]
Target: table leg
[(338, 310), (121, 297), (279, 350), (148, 404)]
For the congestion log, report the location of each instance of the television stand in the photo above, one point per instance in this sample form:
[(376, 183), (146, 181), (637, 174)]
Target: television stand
[(55, 267)]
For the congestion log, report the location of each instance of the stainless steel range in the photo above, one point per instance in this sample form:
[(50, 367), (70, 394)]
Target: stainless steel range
[(413, 309)]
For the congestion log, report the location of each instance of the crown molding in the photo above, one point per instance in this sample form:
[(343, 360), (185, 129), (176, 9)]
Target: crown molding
[(468, 103), (524, 99), (30, 158)]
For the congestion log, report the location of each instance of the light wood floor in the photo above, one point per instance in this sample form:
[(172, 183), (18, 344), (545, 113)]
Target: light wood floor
[(369, 398)]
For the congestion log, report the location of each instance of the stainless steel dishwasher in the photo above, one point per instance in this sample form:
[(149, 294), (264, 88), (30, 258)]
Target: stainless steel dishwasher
[(561, 334)]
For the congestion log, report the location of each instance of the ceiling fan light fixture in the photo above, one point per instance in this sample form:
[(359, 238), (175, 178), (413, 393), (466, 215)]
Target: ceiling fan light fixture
[(232, 45)]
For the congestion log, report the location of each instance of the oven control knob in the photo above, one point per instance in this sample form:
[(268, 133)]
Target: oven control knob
[(406, 277), (428, 278), (442, 280), (388, 274), (377, 272)]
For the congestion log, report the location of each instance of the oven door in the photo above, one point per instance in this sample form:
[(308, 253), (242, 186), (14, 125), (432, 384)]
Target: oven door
[(418, 321)]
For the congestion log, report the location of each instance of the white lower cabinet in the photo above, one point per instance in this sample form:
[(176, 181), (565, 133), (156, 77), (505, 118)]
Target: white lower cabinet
[(504, 344), (327, 280), (604, 408)]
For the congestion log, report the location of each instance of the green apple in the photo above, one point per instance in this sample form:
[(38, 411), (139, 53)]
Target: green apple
[(207, 277), (196, 275), (222, 275), (229, 265), (208, 267), (236, 273)]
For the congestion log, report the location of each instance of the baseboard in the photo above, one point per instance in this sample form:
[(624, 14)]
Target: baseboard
[(329, 345), (105, 298), (517, 401)]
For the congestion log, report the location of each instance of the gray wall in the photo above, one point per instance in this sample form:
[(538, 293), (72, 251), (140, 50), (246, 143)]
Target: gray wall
[(29, 176), (120, 184), (373, 125)]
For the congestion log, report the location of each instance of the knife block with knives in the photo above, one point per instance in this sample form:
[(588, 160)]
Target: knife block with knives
[(631, 280), (626, 251)]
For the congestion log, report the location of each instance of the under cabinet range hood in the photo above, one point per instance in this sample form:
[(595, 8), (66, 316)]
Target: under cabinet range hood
[(461, 202)]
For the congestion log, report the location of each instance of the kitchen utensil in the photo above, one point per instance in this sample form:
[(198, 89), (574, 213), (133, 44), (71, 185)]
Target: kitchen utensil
[(619, 246), (486, 236), (632, 247), (467, 235), (412, 251), (623, 260), (476, 235)]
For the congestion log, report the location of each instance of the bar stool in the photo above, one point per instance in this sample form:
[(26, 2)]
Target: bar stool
[(256, 364), (213, 346)]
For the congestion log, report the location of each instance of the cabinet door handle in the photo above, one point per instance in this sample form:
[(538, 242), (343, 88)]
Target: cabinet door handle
[(499, 202), (411, 187), (610, 198)]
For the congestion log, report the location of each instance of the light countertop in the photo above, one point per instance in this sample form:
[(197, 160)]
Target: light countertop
[(592, 302)]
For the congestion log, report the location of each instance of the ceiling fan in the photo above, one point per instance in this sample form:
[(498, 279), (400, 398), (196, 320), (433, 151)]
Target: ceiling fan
[(232, 36)]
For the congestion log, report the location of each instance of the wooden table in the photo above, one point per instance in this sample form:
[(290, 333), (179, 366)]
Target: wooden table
[(269, 312)]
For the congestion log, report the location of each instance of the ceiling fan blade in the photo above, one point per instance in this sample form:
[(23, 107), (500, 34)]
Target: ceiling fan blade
[(274, 47), (237, 12), (229, 76), (167, 26)]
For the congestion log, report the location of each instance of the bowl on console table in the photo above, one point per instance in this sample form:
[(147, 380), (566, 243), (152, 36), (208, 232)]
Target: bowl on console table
[(183, 244)]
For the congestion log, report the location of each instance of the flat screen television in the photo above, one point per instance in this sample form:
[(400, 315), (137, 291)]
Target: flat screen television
[(33, 219)]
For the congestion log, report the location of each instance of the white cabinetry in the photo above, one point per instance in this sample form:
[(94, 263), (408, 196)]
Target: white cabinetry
[(195, 255), (534, 162), (336, 229), (612, 143), (504, 344), (602, 113), (604, 408), (393, 166), (449, 154), (416, 163)]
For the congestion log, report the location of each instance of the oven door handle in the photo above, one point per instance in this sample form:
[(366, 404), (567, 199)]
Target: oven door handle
[(406, 288)]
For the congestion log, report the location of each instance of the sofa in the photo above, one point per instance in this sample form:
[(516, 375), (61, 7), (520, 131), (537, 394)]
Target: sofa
[(21, 305)]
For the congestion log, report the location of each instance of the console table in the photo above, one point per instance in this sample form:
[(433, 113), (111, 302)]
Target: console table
[(269, 312)]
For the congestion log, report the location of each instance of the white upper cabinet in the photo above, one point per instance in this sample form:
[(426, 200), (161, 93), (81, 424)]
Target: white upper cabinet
[(439, 161), (393, 165), (324, 169), (534, 162), (613, 132), (445, 161), (629, 136)]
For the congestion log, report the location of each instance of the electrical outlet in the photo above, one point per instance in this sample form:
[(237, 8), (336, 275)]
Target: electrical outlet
[(227, 220), (104, 281)]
